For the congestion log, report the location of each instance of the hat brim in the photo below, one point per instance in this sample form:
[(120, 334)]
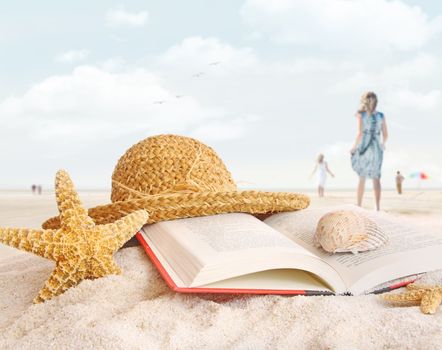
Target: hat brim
[(184, 205)]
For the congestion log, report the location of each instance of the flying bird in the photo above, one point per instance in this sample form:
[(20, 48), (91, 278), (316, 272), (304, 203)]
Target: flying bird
[(159, 102), (215, 63), (198, 75)]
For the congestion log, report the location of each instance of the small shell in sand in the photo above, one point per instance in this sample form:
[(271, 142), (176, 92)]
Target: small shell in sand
[(348, 231)]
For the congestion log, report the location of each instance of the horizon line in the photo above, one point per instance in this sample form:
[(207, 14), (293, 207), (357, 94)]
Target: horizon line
[(272, 189)]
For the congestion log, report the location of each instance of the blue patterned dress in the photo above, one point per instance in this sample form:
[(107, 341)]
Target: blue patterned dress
[(367, 160)]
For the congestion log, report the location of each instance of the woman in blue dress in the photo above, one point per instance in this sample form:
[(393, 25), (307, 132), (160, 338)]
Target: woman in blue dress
[(368, 150)]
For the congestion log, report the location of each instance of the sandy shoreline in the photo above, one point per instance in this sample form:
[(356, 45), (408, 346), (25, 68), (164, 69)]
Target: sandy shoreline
[(136, 309), (18, 208)]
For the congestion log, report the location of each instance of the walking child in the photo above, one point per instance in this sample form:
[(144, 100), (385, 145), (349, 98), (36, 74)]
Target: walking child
[(322, 168)]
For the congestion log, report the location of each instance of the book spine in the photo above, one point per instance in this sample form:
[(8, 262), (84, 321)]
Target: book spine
[(317, 292)]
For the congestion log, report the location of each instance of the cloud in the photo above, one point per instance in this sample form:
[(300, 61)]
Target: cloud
[(113, 64), (417, 101), (72, 56), (219, 65), (121, 17), (341, 24), (404, 88), (84, 120), (286, 94), (424, 67), (199, 53), (219, 130), (269, 116), (92, 101)]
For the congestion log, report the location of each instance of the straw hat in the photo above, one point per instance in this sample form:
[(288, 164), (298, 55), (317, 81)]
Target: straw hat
[(177, 177)]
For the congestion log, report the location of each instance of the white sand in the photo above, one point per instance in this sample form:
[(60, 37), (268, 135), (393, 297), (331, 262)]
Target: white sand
[(136, 310)]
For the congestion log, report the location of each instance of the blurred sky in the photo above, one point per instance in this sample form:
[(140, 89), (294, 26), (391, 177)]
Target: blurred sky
[(267, 84)]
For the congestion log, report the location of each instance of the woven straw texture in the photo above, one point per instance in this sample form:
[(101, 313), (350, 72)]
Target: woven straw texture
[(168, 164), (174, 177), (80, 249)]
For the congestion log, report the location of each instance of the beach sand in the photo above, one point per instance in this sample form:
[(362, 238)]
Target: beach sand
[(136, 310)]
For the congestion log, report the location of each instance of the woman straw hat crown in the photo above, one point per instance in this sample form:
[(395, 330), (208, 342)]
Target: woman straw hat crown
[(169, 164)]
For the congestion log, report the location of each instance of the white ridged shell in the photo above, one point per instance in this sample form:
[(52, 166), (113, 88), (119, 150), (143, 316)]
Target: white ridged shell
[(348, 231)]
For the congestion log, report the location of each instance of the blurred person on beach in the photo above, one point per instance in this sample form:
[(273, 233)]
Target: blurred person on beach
[(322, 168), (399, 180), (368, 150), (34, 188), (39, 188)]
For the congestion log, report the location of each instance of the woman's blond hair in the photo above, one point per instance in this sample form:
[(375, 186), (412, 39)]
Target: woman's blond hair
[(364, 101), (320, 158)]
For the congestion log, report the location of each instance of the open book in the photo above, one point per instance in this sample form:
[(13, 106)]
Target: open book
[(238, 253)]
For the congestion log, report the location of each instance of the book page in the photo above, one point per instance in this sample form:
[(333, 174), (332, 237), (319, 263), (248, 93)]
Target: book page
[(299, 226), (204, 250), (410, 250), (184, 256), (236, 231), (282, 279)]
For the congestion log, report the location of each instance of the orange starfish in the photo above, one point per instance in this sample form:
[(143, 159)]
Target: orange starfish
[(80, 249), (429, 297)]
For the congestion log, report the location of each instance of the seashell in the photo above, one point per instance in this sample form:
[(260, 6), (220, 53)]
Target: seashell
[(348, 231)]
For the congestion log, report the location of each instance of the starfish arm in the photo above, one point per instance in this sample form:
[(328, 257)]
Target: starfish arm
[(69, 205), (67, 274), (414, 286), (409, 297), (104, 266), (431, 301), (119, 232), (52, 223), (39, 242), (114, 269)]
